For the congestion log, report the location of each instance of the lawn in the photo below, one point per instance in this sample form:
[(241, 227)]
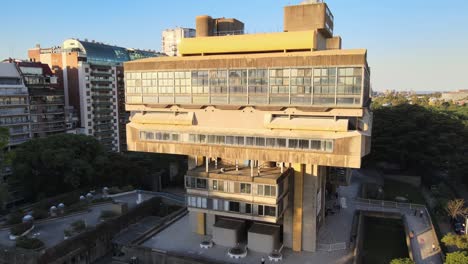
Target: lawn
[(384, 240), (393, 189)]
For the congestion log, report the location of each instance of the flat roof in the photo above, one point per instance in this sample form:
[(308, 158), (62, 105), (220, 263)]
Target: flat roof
[(254, 55), (325, 58)]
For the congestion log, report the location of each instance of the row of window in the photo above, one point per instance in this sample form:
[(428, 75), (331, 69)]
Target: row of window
[(287, 82), (230, 186), (231, 206), (299, 144)]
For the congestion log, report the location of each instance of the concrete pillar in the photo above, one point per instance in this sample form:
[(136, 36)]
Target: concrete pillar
[(209, 223), (193, 162), (297, 203), (309, 224), (207, 164), (251, 168), (201, 228), (306, 190)]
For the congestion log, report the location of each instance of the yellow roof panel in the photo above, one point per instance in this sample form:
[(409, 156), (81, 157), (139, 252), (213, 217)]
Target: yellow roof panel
[(267, 42)]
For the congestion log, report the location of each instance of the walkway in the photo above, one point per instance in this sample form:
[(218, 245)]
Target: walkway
[(420, 224), (336, 231)]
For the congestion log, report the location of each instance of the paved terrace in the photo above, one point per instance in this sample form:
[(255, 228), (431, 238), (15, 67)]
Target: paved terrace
[(50, 231), (333, 242)]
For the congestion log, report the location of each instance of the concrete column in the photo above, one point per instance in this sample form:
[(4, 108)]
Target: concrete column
[(251, 168), (297, 203), (306, 186), (192, 162), (309, 211), (207, 164), (201, 228)]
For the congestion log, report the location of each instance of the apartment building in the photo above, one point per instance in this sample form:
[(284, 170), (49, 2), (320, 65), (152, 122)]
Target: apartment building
[(14, 104), (92, 77), (172, 37), (271, 123), (46, 99)]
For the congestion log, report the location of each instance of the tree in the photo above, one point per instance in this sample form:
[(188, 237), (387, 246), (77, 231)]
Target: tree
[(456, 208), (426, 139), (402, 261), (4, 138), (459, 241), (459, 257), (66, 162)]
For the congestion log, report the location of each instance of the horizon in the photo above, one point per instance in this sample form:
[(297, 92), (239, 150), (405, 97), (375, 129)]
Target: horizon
[(396, 47)]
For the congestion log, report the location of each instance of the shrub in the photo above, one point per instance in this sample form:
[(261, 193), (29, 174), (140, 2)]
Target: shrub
[(67, 233), (101, 200), (29, 243), (15, 217), (114, 190), (78, 226), (76, 207), (107, 214), (458, 257), (127, 188), (19, 229), (40, 213), (402, 261)]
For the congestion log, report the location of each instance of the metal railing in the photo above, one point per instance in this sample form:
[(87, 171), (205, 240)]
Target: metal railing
[(331, 247)]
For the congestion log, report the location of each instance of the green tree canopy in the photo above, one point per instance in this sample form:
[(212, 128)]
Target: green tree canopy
[(459, 257), (402, 261), (459, 241), (65, 162), (420, 137)]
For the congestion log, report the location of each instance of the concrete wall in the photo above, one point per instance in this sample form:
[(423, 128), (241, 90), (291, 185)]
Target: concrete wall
[(262, 242), (210, 221), (226, 237)]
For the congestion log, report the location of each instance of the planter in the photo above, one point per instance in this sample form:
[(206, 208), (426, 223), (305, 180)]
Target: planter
[(13, 237)]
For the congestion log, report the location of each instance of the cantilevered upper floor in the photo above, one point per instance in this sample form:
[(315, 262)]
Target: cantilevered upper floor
[(334, 78)]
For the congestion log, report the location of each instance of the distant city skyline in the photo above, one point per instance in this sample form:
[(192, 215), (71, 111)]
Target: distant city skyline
[(412, 45)]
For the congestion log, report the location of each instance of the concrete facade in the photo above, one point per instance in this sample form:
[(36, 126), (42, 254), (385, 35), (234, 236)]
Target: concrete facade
[(263, 118)]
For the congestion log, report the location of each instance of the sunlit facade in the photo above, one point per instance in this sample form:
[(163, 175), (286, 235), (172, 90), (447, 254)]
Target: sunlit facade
[(270, 122)]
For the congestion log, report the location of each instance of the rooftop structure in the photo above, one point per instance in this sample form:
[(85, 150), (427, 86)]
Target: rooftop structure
[(270, 122)]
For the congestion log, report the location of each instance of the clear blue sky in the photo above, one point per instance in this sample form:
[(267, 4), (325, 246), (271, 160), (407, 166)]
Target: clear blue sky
[(412, 44)]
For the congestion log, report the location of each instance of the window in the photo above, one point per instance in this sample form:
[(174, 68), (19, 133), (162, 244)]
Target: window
[(234, 207), (218, 82), (266, 190), (182, 82), (200, 82), (201, 183), (215, 204), (238, 82), (166, 82), (270, 190), (245, 188), (270, 211), (248, 208), (265, 210), (218, 185)]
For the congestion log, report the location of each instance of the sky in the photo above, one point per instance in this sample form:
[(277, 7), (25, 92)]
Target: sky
[(412, 44)]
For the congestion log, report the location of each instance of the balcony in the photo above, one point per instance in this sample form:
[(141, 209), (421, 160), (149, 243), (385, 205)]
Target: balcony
[(100, 80)]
